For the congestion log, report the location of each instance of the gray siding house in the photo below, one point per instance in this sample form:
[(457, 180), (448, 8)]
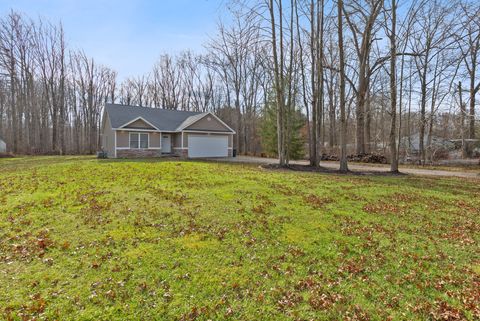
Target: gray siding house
[(132, 131)]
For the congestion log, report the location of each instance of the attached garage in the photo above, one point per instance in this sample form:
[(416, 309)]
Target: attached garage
[(207, 146)]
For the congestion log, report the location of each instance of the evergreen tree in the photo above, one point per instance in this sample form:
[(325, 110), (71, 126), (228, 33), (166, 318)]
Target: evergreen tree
[(295, 141)]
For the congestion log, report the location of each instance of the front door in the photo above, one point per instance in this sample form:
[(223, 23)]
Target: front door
[(166, 143)]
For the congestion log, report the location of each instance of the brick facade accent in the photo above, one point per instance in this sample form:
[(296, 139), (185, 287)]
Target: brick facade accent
[(145, 153), (138, 153), (183, 153)]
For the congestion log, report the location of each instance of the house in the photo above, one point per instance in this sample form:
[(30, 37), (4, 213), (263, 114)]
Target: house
[(132, 131), (3, 146)]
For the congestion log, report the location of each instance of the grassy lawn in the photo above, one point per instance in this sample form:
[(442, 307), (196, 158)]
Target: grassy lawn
[(82, 238)]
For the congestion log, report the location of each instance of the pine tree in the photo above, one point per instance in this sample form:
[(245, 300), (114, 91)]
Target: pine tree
[(295, 141)]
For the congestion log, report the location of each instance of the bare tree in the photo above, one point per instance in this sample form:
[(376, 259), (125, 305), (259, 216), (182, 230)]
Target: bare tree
[(392, 35), (363, 30), (469, 44), (343, 121)]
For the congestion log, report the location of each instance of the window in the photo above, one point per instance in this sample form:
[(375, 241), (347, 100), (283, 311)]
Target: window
[(138, 140), (134, 140), (143, 140)]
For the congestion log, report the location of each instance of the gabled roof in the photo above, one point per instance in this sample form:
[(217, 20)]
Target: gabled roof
[(141, 119), (190, 120), (193, 119), (163, 119)]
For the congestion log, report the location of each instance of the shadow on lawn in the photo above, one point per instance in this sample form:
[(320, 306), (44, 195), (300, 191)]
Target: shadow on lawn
[(324, 170)]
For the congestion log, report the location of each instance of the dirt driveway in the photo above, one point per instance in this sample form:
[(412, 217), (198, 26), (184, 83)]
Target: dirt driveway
[(357, 167)]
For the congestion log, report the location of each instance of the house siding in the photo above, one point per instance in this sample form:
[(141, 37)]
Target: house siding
[(108, 137), (154, 139), (177, 140), (123, 139), (206, 124), (140, 124)]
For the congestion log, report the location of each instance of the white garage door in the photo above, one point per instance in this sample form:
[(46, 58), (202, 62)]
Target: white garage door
[(207, 146)]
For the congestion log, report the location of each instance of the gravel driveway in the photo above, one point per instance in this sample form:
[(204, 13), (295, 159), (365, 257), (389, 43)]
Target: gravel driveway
[(356, 167)]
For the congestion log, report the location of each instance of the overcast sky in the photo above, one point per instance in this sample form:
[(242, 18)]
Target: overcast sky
[(127, 35)]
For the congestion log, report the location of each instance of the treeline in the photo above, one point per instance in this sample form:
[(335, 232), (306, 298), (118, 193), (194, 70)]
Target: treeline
[(361, 75), (370, 73), (51, 97)]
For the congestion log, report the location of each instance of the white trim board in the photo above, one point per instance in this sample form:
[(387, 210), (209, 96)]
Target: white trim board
[(128, 148), (206, 132), (136, 130)]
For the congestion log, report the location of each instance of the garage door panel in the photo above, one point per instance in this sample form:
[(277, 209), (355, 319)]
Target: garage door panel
[(207, 146)]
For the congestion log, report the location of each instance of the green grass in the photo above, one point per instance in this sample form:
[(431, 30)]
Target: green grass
[(89, 239)]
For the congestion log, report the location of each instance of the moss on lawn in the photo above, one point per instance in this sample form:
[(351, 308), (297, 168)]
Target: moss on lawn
[(91, 239)]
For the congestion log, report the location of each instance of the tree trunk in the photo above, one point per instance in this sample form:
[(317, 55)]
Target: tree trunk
[(393, 91), (313, 34), (343, 121), (462, 120), (471, 127)]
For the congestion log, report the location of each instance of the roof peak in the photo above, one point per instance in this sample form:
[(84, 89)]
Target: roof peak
[(155, 108), (161, 119)]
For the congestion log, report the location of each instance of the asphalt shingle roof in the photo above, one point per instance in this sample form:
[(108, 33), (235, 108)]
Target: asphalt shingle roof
[(163, 119)]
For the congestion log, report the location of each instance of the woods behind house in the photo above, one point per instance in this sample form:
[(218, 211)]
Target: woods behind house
[(296, 78)]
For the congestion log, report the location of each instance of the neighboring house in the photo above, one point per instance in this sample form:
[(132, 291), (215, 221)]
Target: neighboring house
[(3, 146), (131, 131), (412, 143)]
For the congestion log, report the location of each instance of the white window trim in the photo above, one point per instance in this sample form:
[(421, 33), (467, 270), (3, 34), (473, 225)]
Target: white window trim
[(139, 134)]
